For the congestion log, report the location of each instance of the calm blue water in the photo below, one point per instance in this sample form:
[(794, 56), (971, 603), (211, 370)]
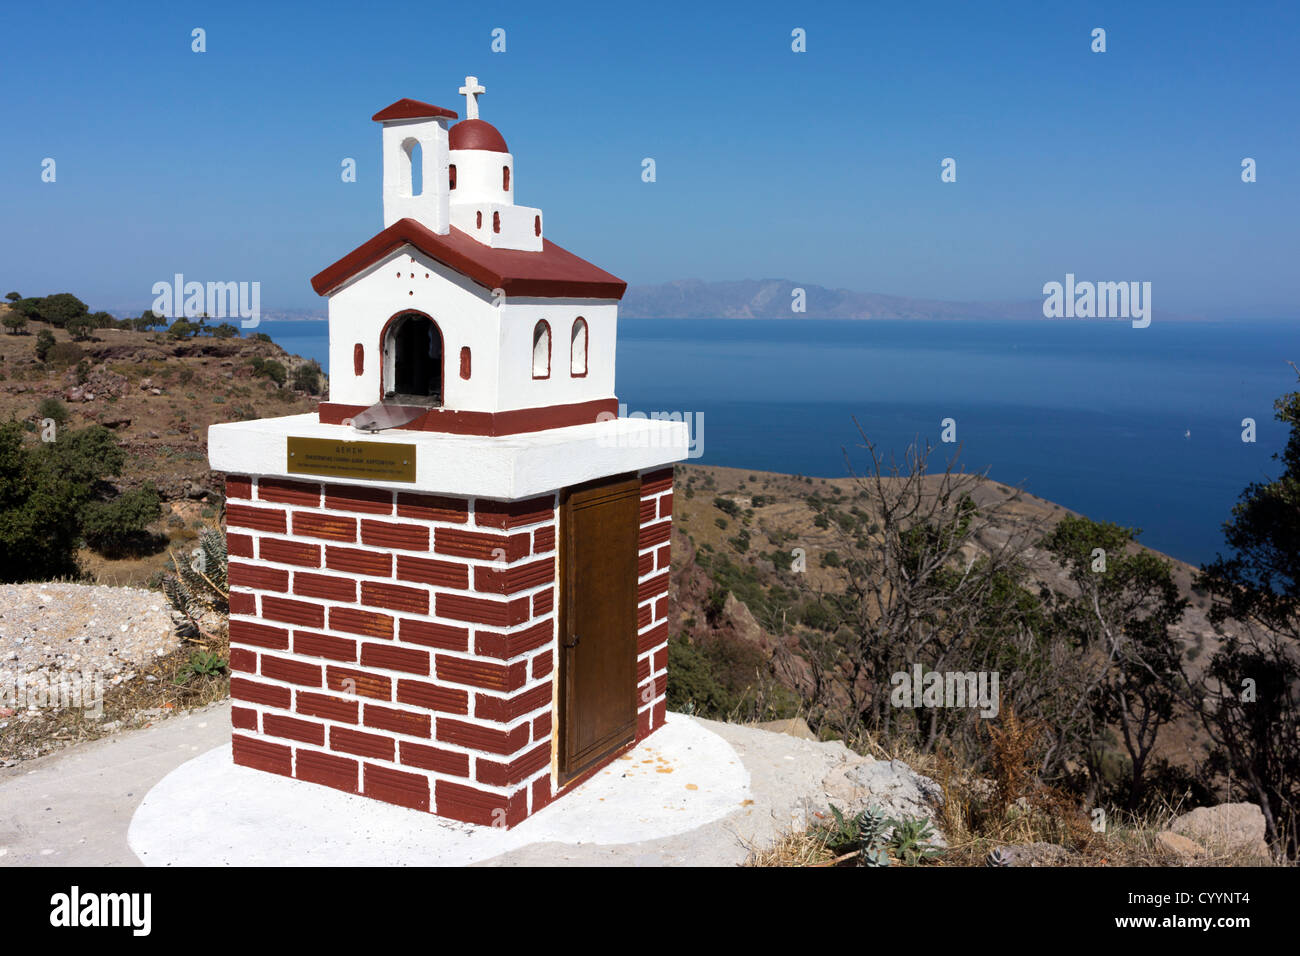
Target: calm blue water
[(1093, 416)]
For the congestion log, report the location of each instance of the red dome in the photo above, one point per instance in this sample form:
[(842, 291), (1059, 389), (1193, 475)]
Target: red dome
[(476, 134)]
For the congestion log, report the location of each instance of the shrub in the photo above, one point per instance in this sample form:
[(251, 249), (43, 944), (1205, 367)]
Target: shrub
[(44, 489), (60, 308), (44, 342), (54, 409), (306, 378), (182, 329), (63, 354), (270, 368), (117, 527)]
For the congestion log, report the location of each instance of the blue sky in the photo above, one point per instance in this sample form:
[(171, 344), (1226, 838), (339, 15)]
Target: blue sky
[(821, 167)]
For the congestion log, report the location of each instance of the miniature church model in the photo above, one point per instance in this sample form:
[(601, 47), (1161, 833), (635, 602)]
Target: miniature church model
[(449, 586)]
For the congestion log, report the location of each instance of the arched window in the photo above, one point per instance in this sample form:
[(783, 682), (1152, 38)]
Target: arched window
[(412, 350), (451, 176), (542, 350), (496, 222), (578, 348), (505, 179), (414, 178)]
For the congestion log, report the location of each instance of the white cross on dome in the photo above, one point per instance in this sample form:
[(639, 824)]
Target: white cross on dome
[(471, 91)]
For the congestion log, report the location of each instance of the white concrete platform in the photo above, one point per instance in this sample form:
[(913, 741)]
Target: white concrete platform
[(507, 466), (209, 812)]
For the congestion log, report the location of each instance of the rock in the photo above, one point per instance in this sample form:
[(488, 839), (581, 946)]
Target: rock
[(1229, 827), (793, 727), (891, 785), (1175, 844), (155, 391), (146, 384), (1030, 854), (116, 423)]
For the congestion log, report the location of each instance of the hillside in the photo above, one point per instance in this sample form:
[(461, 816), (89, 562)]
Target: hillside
[(158, 396), (737, 596)]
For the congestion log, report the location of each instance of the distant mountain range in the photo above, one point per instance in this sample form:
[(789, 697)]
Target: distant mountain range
[(772, 298)]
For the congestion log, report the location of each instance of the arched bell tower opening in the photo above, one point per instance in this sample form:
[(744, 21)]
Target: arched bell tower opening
[(413, 360)]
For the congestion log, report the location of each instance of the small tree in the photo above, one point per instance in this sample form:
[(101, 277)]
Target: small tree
[(1249, 700), (80, 327), (44, 343), (182, 329), (60, 308), (15, 322), (13, 296), (1119, 619)]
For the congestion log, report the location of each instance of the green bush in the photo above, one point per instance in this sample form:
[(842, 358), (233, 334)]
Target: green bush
[(57, 309), (306, 378), (182, 329), (15, 322), (63, 354), (269, 368), (54, 409), (44, 343), (45, 487), (117, 527)]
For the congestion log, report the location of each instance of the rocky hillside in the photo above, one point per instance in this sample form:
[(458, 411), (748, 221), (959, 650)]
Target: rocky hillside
[(158, 396), (734, 535)]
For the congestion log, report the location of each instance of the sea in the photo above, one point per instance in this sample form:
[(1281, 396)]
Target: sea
[(1143, 427)]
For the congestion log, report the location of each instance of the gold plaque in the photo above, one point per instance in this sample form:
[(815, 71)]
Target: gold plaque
[(373, 460)]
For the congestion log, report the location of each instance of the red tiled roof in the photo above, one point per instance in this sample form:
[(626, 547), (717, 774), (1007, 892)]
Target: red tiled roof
[(552, 273), (411, 109)]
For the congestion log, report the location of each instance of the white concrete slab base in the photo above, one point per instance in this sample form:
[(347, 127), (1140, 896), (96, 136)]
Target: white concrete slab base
[(209, 812), (509, 466)]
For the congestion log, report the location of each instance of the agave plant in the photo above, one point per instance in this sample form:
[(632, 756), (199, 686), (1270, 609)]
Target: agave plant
[(864, 835), (910, 840), (198, 589), (873, 827)]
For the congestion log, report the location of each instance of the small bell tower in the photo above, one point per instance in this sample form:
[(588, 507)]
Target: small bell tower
[(415, 164)]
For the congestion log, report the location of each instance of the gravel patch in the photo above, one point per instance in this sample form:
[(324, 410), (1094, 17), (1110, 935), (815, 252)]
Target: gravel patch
[(51, 631)]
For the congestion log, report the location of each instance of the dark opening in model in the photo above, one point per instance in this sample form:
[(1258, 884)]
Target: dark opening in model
[(413, 361)]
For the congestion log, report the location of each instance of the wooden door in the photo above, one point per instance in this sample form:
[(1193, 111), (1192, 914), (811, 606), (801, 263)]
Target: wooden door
[(599, 526)]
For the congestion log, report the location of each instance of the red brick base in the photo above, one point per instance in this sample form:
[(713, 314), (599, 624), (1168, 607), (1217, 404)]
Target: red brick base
[(402, 646)]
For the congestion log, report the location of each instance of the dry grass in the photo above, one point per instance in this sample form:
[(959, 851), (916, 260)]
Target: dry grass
[(1010, 809), (133, 703), (796, 848)]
